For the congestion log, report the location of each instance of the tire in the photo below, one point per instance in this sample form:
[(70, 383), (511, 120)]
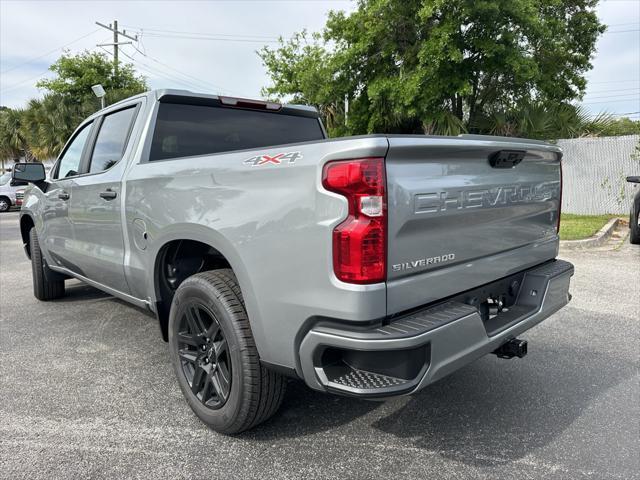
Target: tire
[(5, 204), (211, 345), (634, 234), (45, 285)]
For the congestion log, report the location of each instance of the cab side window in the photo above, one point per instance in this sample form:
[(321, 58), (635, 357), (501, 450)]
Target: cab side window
[(69, 165), (111, 140)]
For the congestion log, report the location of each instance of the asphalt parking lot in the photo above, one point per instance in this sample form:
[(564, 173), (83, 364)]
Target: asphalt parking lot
[(87, 390)]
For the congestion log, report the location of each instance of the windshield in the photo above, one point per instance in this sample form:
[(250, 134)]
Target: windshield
[(4, 179)]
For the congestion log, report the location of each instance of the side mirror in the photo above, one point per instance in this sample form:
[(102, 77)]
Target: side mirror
[(633, 179), (28, 172)]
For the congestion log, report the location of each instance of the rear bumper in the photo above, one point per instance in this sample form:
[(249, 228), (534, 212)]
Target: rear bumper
[(417, 349)]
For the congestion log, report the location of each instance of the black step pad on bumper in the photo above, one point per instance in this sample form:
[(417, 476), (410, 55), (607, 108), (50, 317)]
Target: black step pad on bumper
[(421, 347), (363, 380)]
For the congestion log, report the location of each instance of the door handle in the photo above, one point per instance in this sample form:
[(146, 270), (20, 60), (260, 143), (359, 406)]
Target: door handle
[(63, 196), (108, 194)]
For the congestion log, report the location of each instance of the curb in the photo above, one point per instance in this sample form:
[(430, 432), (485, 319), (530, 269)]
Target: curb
[(597, 240)]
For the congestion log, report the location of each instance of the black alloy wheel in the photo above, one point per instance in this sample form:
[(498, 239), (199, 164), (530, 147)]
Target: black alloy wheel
[(204, 355), (214, 355)]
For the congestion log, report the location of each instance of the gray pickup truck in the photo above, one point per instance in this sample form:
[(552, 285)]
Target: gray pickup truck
[(367, 266)]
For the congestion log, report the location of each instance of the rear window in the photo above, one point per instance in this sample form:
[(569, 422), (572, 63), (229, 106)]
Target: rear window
[(186, 130)]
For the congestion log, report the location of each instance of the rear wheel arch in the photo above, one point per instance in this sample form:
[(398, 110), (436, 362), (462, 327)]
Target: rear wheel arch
[(175, 261)]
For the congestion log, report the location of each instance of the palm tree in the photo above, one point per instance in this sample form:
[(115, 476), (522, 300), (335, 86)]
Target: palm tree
[(545, 122), (12, 142), (49, 122)]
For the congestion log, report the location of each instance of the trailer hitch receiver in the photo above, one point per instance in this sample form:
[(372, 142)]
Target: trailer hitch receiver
[(513, 348)]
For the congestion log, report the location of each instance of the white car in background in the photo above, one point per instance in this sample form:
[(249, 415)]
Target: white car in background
[(9, 196)]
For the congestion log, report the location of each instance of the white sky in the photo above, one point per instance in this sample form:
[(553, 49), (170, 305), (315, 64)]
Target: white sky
[(229, 64)]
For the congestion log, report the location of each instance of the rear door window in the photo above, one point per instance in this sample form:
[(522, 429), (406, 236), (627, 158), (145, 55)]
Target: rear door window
[(188, 130), (111, 140)]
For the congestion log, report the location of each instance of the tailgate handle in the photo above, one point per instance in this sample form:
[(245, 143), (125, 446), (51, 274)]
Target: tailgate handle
[(506, 158)]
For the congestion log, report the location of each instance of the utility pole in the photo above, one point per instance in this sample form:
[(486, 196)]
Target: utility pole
[(346, 108), (115, 49), (116, 43)]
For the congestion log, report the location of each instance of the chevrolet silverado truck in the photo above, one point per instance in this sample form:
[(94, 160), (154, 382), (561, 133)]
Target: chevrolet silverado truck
[(366, 266)]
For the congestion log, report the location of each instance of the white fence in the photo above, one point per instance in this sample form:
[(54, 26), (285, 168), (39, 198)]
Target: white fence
[(594, 171)]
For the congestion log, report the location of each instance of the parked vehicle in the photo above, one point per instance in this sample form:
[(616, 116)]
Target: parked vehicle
[(8, 193), (634, 216), (19, 197), (367, 266)]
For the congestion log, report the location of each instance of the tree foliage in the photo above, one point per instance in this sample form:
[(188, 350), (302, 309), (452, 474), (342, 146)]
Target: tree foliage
[(48, 123), (439, 66), (621, 126), (75, 75), (40, 130)]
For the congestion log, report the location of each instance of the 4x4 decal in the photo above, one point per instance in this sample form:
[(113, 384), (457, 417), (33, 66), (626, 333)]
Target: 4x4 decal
[(289, 157)]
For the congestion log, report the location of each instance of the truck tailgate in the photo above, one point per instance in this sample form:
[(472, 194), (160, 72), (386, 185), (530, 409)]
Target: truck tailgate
[(457, 219)]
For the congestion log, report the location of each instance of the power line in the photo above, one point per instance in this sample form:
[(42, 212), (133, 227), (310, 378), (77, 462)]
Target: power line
[(214, 39), (142, 30), (49, 52), (208, 85), (13, 87), (156, 71), (20, 83), (622, 31), (614, 90), (615, 96), (615, 81), (630, 100)]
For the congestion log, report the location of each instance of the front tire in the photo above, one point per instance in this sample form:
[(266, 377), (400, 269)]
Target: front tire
[(215, 357), (45, 284)]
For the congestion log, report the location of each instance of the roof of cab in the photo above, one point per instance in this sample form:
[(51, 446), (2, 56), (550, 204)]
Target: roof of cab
[(290, 108), (166, 93)]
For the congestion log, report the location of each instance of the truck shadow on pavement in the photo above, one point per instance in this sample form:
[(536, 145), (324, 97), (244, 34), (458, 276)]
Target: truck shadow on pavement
[(306, 412), (493, 413), (490, 413), (76, 291)]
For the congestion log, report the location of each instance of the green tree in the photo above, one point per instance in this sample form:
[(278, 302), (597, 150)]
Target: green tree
[(47, 123), (547, 122), (438, 66), (621, 126), (76, 74), (12, 141)]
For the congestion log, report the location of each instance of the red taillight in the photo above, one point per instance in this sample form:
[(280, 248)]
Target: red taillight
[(360, 242), (559, 197)]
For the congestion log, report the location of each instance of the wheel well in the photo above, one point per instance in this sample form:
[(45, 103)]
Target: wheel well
[(26, 224), (176, 261), (7, 199)]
